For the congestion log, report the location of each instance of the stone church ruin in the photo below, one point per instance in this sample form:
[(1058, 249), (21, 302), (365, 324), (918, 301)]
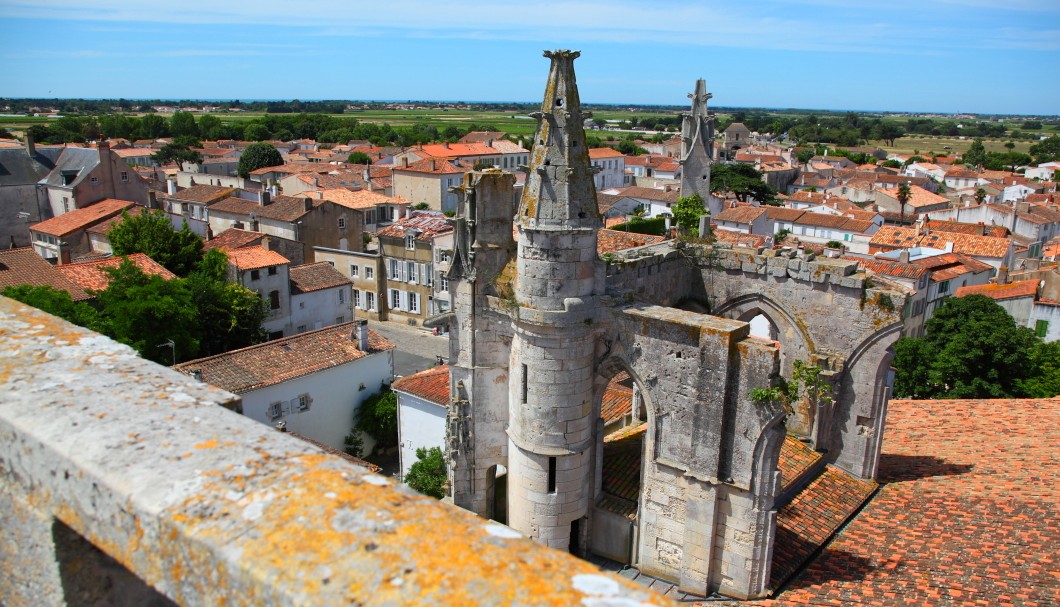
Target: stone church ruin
[(541, 326)]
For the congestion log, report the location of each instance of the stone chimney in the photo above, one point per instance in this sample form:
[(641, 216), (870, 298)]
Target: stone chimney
[(264, 198), (1002, 275), (31, 149), (274, 189), (903, 256), (266, 242), (434, 164), (361, 335), (1023, 207), (980, 229), (308, 204), (404, 162)]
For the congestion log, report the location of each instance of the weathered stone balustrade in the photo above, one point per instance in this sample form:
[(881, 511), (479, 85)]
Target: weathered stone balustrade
[(104, 453)]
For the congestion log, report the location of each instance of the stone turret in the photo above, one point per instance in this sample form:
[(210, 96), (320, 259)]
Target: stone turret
[(551, 429), (697, 146)]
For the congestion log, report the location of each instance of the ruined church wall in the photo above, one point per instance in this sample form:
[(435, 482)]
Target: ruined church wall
[(658, 275)]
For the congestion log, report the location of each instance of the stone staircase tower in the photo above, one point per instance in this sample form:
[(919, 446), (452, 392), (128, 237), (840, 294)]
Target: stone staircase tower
[(552, 429)]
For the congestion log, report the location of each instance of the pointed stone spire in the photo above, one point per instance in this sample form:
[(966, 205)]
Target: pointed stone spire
[(697, 146), (559, 193)]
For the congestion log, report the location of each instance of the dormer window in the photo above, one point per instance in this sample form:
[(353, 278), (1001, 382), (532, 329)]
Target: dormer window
[(410, 242)]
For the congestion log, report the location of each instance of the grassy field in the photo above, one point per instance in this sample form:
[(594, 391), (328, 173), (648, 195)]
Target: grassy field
[(926, 144)]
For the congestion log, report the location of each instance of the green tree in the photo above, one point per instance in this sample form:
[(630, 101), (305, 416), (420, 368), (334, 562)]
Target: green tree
[(256, 156), (178, 153), (211, 127), (230, 315), (359, 158), (153, 126), (744, 181), (972, 348), (56, 302), (687, 211), (152, 234), (904, 193), (976, 153), (183, 124), (627, 147), (1047, 150), (146, 311), (256, 132), (980, 195), (804, 156), (378, 418), (427, 475)]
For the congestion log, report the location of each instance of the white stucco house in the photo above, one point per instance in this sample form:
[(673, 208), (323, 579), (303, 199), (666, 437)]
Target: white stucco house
[(313, 382), (423, 401)]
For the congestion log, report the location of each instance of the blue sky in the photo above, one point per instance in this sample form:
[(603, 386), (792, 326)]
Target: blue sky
[(989, 56)]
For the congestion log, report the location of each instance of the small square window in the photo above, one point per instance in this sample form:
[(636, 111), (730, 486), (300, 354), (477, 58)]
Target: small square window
[(340, 319), (255, 274), (354, 270), (304, 402), (125, 177), (275, 410), (272, 270), (342, 223), (369, 272)]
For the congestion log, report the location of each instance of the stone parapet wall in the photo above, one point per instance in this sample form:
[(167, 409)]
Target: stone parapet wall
[(103, 451)]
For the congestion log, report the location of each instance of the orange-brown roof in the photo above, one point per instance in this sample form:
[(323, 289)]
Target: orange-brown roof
[(252, 258), (617, 401), (90, 275), (918, 197), (24, 267), (433, 166), (597, 153), (80, 219), (315, 277), (202, 193), (429, 224), (233, 238), (1012, 290), (431, 385), (270, 363), (969, 244), (611, 241), (361, 199), (740, 214)]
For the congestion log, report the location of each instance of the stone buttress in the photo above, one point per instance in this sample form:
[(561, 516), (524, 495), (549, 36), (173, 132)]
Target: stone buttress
[(697, 148)]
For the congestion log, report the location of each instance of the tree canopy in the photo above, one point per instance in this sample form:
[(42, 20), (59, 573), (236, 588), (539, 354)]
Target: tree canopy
[(151, 233), (744, 181), (378, 418), (427, 475), (258, 155), (359, 158), (972, 348), (230, 315), (178, 153), (1048, 150), (687, 211)]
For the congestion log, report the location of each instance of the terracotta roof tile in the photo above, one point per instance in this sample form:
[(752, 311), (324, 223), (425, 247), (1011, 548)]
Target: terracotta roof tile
[(80, 219), (650, 193), (429, 224), (1012, 290), (431, 385), (233, 238), (611, 241), (433, 166), (202, 193), (270, 363), (361, 199), (24, 267), (315, 276), (796, 458), (740, 239), (740, 214), (90, 275), (898, 237), (282, 208), (252, 258), (617, 402), (966, 514), (598, 153)]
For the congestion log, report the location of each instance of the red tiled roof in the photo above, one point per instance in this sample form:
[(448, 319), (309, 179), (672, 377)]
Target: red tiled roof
[(431, 385), (796, 458), (435, 167), (315, 276), (80, 219), (202, 193), (281, 208), (611, 241), (650, 193), (233, 238), (967, 514), (741, 214), (361, 199), (24, 267), (966, 228), (252, 258), (429, 223), (806, 522), (597, 153), (617, 402), (898, 237), (241, 371), (739, 238), (90, 275), (1012, 290), (895, 269)]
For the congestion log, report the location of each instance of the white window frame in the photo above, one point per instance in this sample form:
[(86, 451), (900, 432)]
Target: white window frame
[(411, 271), (356, 298), (355, 270), (125, 176), (369, 272), (302, 403), (414, 302), (394, 269), (342, 223), (369, 300), (395, 299), (410, 242)]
